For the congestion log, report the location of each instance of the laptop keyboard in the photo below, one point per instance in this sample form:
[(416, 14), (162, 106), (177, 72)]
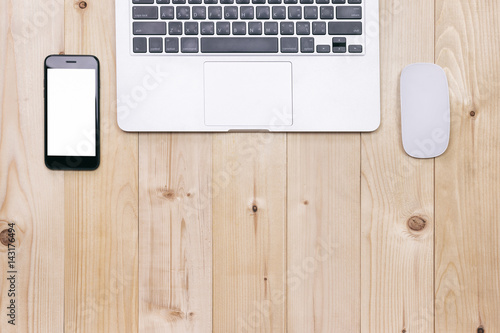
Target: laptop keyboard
[(333, 27)]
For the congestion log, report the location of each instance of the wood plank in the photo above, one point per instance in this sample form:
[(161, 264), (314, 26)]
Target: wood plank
[(323, 281), (30, 194), (397, 192), (467, 176), (175, 230), (249, 198), (101, 207)]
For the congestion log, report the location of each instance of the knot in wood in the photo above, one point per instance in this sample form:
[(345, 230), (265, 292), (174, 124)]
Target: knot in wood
[(82, 4), (4, 237), (416, 223), (168, 193)]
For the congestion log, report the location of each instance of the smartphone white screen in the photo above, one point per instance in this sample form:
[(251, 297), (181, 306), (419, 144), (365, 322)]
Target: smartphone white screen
[(71, 112)]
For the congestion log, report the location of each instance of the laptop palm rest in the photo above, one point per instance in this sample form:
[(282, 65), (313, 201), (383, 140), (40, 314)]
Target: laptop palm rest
[(246, 94)]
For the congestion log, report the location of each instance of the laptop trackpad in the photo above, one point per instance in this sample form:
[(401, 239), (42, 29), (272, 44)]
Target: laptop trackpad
[(248, 94)]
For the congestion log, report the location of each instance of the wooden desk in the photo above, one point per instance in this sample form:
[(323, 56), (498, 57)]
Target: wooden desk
[(255, 232)]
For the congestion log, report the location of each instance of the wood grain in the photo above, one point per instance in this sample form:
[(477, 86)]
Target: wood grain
[(254, 232), (249, 214), (467, 176), (30, 194), (101, 207), (397, 251), (175, 245), (323, 273)]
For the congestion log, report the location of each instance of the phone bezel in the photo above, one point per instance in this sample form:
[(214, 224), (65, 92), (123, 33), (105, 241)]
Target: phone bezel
[(73, 162)]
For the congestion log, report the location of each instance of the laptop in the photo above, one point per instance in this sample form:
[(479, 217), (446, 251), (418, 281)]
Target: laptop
[(248, 65)]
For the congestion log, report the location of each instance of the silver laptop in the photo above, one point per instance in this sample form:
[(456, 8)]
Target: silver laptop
[(238, 65)]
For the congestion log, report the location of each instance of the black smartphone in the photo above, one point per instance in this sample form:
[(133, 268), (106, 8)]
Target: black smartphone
[(72, 112)]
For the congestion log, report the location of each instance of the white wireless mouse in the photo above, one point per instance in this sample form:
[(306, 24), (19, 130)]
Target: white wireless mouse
[(425, 110)]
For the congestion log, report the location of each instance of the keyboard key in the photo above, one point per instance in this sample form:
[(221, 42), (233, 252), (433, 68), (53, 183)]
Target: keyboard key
[(191, 28), (143, 1), (239, 28), (246, 12), (279, 12), (338, 1), (178, 2), (289, 45), (274, 2), (239, 44), (207, 28), (226, 2), (255, 28), (263, 12), (307, 1), (175, 28), (338, 49), (194, 2), (326, 12), (344, 28), (294, 12), (323, 2), (230, 12), (215, 12), (348, 12), (258, 1), (183, 13), (286, 28), (145, 13), (339, 41), (355, 48), (140, 45), (323, 48), (163, 2), (303, 28), (189, 45), (310, 12), (223, 28), (172, 45), (290, 2), (155, 45), (271, 28), (355, 2), (319, 28), (242, 2), (307, 45), (210, 2), (199, 13), (166, 12), (149, 28)]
